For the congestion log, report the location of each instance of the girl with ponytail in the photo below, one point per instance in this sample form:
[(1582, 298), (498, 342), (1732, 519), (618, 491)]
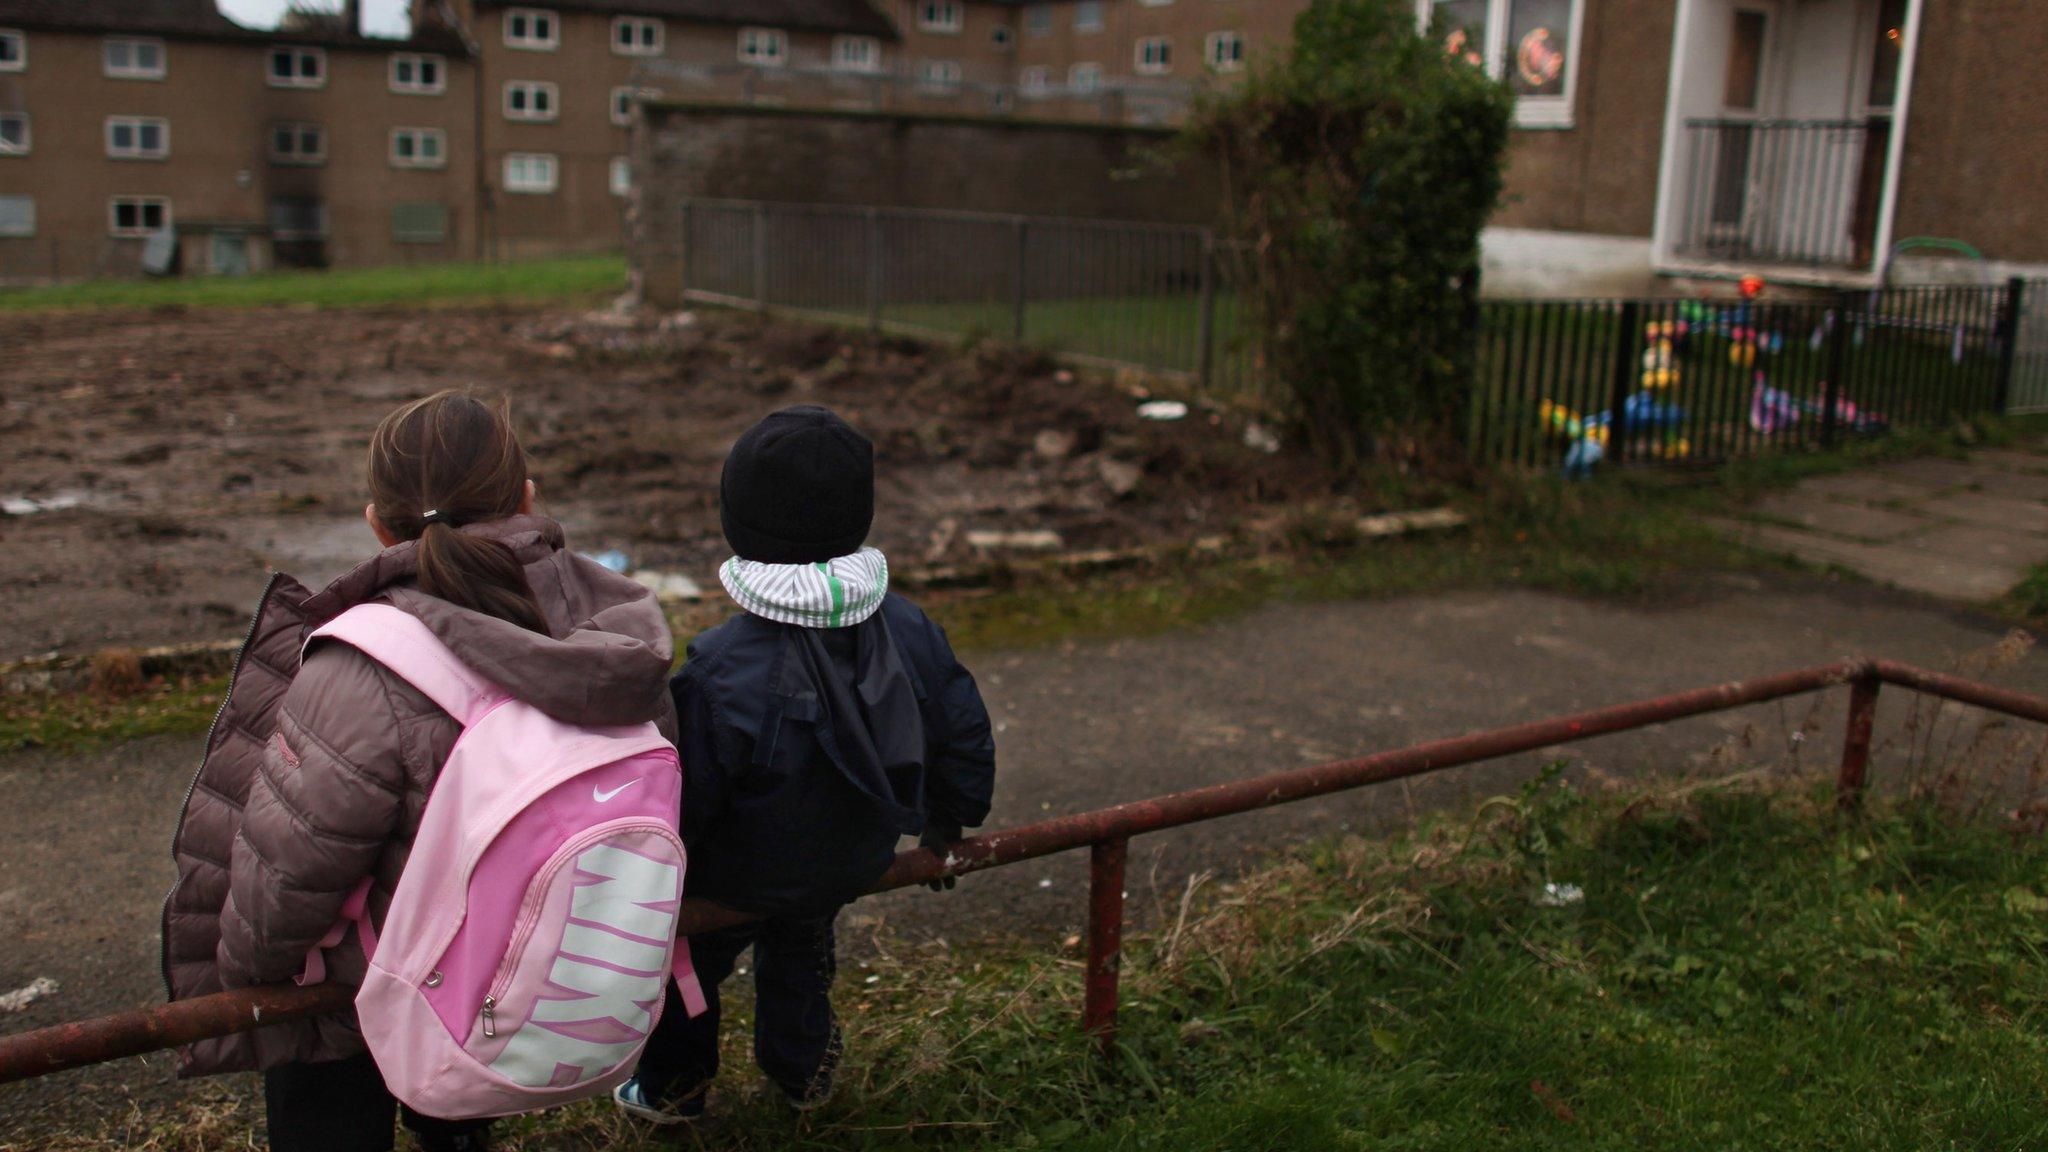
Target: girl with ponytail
[(319, 769)]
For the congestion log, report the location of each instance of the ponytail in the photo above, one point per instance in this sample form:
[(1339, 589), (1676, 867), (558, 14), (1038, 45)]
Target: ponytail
[(443, 462)]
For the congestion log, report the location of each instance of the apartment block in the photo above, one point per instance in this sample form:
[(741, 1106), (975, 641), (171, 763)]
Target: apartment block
[(123, 125)]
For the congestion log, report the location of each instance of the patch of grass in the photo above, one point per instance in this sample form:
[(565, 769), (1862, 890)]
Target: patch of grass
[(90, 719), (1742, 969), (565, 279)]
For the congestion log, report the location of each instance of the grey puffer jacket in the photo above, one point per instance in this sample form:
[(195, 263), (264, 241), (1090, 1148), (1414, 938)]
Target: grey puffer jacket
[(316, 774)]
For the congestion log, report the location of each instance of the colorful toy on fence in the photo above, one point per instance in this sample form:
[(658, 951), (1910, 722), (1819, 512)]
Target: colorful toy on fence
[(1773, 410)]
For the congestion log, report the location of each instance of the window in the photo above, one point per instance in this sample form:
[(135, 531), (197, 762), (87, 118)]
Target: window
[(298, 144), (530, 100), (1088, 16), (938, 77), (534, 29), (529, 172), (1153, 56), (14, 134), (293, 218), (297, 68), (1038, 19), (1884, 66), (419, 148), (14, 58), (767, 47), (1154, 3), (417, 75), (126, 59), (17, 214), (419, 223), (1035, 81), (637, 36), (621, 176), (138, 138), (137, 215), (1000, 36), (940, 16), (1532, 43), (857, 54), (1084, 79), (622, 105), (1224, 51)]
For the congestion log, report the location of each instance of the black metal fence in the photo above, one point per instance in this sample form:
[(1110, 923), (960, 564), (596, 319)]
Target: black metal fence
[(1572, 384), (1151, 296), (1801, 192)]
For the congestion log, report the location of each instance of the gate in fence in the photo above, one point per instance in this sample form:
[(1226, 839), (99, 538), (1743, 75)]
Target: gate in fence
[(1573, 383)]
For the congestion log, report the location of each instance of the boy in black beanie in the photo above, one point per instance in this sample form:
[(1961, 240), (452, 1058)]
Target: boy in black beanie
[(816, 728)]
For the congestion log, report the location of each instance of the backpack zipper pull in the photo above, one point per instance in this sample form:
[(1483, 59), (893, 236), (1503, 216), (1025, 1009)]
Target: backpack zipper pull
[(490, 1016)]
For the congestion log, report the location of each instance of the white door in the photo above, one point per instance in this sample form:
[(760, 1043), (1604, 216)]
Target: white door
[(1740, 158)]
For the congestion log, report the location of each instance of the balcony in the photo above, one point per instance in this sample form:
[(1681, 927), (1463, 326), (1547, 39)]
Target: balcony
[(1782, 193)]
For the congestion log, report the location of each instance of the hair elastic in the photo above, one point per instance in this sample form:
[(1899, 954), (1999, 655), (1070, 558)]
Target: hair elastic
[(432, 516)]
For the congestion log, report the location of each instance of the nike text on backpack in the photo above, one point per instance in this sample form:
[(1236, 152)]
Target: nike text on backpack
[(523, 960)]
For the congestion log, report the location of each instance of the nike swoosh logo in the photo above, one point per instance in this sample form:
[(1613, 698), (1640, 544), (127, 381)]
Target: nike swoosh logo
[(603, 797)]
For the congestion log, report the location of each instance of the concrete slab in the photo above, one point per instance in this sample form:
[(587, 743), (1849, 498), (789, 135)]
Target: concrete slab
[(2013, 459), (1951, 575), (1869, 488), (2028, 516), (1963, 474), (1845, 519), (1976, 544)]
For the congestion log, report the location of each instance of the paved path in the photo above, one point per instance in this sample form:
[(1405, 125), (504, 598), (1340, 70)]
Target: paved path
[(83, 856), (1959, 529)]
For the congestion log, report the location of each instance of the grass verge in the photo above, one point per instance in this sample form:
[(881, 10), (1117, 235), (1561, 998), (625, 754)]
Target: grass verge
[(1741, 968), (559, 280)]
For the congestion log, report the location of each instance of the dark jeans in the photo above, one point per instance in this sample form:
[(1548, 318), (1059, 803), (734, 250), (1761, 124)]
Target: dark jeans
[(795, 1040), (343, 1106)]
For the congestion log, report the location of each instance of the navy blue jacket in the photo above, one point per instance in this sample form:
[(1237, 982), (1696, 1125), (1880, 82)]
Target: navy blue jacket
[(779, 818)]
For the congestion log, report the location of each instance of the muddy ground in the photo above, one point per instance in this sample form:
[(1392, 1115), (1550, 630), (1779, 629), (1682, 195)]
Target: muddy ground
[(154, 465)]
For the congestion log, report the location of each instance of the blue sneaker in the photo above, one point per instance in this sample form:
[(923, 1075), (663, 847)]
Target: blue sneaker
[(633, 1099)]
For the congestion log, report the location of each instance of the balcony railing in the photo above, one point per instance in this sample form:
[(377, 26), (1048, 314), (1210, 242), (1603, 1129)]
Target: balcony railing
[(1784, 192)]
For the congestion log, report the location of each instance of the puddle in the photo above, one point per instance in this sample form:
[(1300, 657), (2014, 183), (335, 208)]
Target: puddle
[(16, 504)]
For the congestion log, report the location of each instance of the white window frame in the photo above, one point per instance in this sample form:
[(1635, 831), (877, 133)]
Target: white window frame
[(1530, 111), (1092, 7), (28, 135), (938, 77), (639, 24), (1153, 3), (619, 176), (752, 39), (1084, 78), (1145, 47), (298, 53), (532, 88), (30, 201), (20, 61), (528, 42), (415, 87), (135, 125), (1035, 82), (317, 232), (553, 167), (1216, 40), (870, 53), (131, 71), (418, 160), (113, 215), (944, 17), (295, 158), (620, 107)]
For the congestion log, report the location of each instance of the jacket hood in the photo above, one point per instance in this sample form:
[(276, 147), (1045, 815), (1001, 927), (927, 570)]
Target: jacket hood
[(606, 658)]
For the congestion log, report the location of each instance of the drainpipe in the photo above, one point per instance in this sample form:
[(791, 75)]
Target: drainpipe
[(352, 17), (1895, 151)]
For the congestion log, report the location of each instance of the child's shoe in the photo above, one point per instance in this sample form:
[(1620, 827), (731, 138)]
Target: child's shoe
[(633, 1099)]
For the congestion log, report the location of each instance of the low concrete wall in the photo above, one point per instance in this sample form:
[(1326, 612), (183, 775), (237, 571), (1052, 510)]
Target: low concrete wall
[(896, 160)]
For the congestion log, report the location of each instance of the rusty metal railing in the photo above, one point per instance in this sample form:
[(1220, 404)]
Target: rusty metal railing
[(1106, 833)]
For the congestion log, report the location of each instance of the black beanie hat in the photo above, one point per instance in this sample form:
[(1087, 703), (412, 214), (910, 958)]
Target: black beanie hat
[(798, 488)]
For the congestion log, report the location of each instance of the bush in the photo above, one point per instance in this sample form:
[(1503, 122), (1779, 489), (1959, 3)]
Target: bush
[(1359, 169)]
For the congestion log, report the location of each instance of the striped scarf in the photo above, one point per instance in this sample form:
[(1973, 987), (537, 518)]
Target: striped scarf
[(833, 594)]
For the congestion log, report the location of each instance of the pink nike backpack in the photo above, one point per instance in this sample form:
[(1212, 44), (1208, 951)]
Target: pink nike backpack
[(525, 956)]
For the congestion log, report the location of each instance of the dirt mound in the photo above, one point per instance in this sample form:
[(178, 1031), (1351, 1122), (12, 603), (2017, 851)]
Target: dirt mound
[(158, 463)]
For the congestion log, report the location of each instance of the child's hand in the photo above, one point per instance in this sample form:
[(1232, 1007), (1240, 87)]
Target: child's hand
[(938, 839)]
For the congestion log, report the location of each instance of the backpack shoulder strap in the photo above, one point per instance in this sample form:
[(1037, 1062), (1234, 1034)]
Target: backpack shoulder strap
[(404, 644)]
